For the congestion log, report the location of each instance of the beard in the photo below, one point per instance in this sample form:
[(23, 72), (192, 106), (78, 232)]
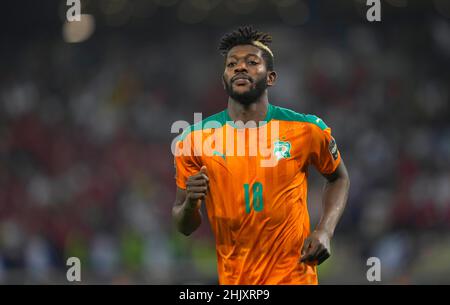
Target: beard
[(250, 96)]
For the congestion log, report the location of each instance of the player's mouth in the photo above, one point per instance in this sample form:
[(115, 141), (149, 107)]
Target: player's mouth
[(241, 79)]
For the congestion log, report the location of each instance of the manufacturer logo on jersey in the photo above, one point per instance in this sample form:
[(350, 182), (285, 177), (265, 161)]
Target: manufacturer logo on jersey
[(282, 150)]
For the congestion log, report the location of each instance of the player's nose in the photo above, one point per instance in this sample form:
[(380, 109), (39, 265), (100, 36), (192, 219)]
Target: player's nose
[(240, 68)]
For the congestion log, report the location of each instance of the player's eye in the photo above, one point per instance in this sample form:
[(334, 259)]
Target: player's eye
[(252, 62), (231, 64)]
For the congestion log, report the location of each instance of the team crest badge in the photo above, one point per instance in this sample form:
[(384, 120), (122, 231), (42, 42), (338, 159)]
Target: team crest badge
[(282, 150)]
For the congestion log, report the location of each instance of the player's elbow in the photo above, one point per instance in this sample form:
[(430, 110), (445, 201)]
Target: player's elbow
[(178, 222), (184, 229), (185, 232), (183, 226), (187, 228)]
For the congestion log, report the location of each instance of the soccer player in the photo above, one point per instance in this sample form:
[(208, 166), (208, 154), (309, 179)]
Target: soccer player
[(258, 213)]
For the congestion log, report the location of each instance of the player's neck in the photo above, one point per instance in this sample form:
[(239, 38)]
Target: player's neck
[(256, 111)]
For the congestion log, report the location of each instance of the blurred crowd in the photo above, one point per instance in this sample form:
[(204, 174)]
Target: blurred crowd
[(85, 150)]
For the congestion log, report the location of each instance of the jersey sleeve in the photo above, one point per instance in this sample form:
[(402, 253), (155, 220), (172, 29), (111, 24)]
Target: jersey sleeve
[(185, 162), (324, 154)]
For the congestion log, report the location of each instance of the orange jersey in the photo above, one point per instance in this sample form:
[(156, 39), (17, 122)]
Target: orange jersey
[(258, 211)]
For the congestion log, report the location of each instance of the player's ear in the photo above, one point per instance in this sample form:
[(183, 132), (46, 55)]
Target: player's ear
[(271, 78)]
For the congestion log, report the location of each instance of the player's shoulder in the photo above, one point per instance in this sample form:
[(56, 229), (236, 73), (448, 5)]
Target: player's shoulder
[(285, 114), (216, 120)]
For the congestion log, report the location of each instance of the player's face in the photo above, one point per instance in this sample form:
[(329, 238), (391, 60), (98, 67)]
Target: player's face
[(246, 77)]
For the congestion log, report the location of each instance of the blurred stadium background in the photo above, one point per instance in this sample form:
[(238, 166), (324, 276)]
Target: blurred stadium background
[(86, 109)]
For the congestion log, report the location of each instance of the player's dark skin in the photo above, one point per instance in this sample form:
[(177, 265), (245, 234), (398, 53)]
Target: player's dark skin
[(244, 66)]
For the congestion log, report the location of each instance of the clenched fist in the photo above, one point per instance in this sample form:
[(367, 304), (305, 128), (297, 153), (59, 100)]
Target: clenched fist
[(196, 188)]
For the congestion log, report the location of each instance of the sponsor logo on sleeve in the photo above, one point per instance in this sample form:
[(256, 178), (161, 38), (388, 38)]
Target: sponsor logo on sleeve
[(333, 149)]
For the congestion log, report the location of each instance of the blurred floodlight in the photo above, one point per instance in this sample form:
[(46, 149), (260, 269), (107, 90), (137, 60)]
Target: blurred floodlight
[(191, 13), (295, 14), (79, 31)]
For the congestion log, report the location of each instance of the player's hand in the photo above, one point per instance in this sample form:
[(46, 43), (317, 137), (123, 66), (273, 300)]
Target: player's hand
[(196, 188), (316, 248)]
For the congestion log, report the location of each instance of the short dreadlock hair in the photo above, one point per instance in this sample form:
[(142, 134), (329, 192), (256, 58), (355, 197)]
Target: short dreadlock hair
[(248, 35)]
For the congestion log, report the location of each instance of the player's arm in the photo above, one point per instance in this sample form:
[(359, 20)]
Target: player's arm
[(317, 246), (186, 210)]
